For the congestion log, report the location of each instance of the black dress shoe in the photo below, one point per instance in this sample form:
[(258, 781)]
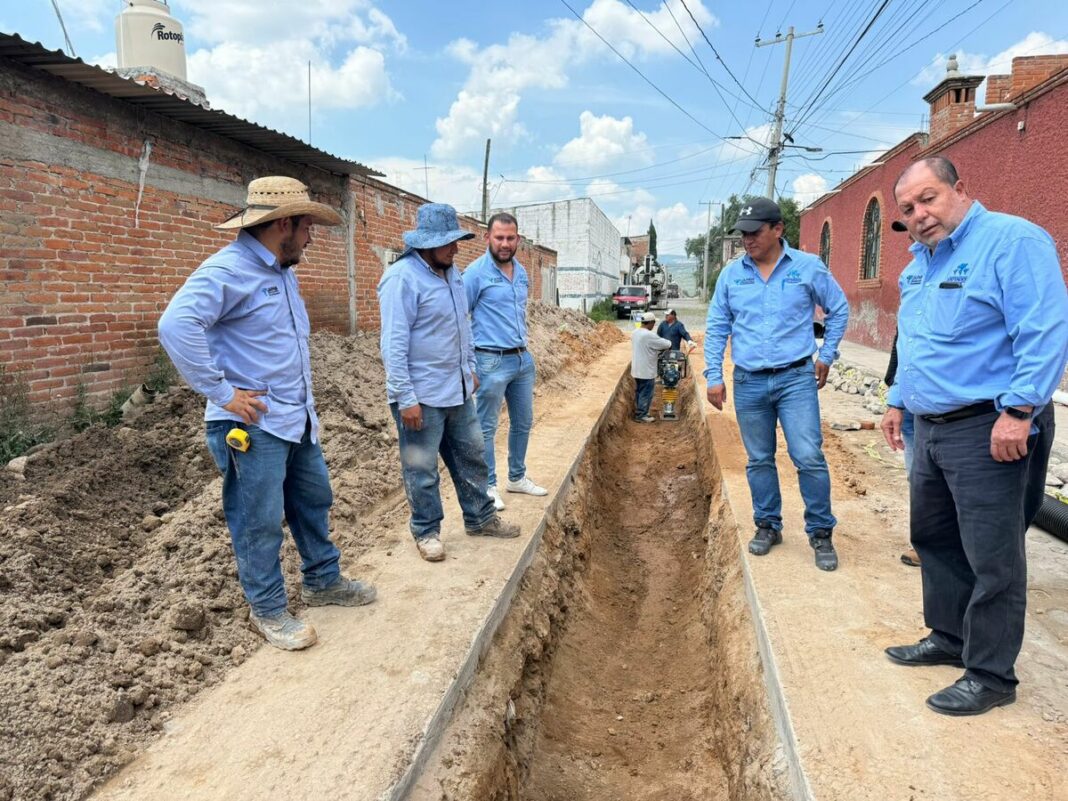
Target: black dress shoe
[(968, 697), (924, 652)]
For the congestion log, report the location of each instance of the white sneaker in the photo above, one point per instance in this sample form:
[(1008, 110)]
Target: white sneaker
[(284, 631), (498, 504), (431, 549), (527, 486)]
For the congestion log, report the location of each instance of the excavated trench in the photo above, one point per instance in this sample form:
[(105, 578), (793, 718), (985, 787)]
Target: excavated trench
[(627, 667)]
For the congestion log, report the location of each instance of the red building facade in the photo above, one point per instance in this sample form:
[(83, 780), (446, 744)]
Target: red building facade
[(1011, 159)]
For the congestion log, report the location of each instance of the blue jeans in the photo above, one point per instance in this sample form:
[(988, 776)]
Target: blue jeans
[(908, 436), (790, 398), (508, 378), (643, 395), (453, 432), (272, 479)]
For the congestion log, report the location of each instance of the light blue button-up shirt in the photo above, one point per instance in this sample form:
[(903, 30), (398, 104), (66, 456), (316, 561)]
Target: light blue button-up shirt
[(498, 306), (426, 336), (770, 322), (983, 317), (239, 321)]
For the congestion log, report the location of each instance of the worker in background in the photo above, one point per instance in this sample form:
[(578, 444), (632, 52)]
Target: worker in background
[(431, 381), (982, 345), (238, 332), (765, 302), (497, 285), (672, 329), (645, 349)]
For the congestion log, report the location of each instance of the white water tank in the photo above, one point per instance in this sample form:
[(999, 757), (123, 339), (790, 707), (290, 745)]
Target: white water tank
[(148, 36)]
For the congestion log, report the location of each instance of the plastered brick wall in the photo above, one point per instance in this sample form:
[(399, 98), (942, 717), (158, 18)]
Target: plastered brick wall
[(87, 268), (1026, 178)]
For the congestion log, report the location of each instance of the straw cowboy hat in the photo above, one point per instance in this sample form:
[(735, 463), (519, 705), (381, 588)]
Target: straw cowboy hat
[(435, 226), (276, 197)]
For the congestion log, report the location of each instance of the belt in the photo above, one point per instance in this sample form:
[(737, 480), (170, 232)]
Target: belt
[(963, 413), (790, 366), (502, 351)]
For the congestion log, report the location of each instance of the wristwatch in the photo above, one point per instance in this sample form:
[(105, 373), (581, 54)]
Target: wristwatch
[(1019, 414)]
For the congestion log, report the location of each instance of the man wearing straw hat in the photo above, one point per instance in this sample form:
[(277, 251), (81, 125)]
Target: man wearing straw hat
[(238, 332), (429, 358)]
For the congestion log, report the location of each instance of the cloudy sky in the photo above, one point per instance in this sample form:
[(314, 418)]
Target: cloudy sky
[(403, 84)]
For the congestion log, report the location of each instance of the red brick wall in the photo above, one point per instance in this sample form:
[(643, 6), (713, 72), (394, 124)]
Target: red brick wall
[(84, 286), (1026, 177)]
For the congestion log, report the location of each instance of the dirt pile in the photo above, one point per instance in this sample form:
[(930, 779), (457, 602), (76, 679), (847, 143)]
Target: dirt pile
[(118, 593)]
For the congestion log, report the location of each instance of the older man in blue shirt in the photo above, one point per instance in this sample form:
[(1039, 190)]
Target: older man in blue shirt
[(982, 344), (238, 332), (497, 287), (431, 381), (765, 303)]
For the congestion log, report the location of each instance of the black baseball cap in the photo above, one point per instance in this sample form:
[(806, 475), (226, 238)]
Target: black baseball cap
[(899, 226), (753, 215)]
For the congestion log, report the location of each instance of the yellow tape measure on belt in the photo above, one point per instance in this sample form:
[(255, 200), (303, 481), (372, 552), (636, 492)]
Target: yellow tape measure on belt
[(238, 439)]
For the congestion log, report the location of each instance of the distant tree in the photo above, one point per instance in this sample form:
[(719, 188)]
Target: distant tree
[(652, 239)]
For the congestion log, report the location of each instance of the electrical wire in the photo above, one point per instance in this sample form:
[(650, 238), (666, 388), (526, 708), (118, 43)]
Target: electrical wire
[(718, 56), (641, 74)]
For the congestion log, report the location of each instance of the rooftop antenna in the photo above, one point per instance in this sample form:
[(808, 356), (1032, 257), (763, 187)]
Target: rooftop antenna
[(66, 38), (309, 101)]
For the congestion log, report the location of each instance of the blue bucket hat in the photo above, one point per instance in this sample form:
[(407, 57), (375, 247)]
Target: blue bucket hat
[(435, 226)]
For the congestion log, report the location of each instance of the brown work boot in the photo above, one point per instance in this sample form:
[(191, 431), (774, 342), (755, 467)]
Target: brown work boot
[(495, 528), (343, 592), (911, 558), (430, 548), (284, 631)]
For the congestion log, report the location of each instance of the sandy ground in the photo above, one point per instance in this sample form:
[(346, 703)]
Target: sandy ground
[(119, 596), (859, 721)]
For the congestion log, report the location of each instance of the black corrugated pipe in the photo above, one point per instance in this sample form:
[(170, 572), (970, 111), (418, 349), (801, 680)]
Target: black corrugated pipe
[(1053, 517)]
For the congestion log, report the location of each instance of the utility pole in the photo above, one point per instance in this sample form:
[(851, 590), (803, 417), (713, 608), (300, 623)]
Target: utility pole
[(775, 149), (485, 185), (708, 236)]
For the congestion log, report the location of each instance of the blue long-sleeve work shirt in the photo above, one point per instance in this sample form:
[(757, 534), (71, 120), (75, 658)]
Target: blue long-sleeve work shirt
[(770, 322), (239, 321), (674, 332), (426, 336), (498, 306), (983, 317)]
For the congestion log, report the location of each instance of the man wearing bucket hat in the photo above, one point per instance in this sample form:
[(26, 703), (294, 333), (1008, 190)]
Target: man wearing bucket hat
[(238, 332), (429, 358), (765, 302)]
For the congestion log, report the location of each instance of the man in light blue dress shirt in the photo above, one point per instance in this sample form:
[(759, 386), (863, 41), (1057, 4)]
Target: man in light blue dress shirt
[(982, 344), (765, 302), (238, 332), (497, 287), (431, 381)]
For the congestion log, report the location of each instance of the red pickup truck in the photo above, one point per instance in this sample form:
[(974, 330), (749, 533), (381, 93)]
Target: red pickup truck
[(630, 298)]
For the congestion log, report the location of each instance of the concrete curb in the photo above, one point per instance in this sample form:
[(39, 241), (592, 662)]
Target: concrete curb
[(800, 787), (482, 640)]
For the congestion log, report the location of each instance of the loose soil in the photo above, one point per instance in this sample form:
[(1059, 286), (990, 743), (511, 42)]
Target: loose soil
[(627, 667), (118, 593)]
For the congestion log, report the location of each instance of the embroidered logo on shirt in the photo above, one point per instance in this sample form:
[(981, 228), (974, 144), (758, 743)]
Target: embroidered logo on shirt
[(913, 280), (956, 278), (792, 277), (744, 281), (271, 291)]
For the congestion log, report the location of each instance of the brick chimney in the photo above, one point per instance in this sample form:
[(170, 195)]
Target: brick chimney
[(1029, 71), (952, 101), (998, 88)]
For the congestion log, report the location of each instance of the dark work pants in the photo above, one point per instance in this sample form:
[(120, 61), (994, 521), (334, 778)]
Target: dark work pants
[(643, 395), (969, 517)]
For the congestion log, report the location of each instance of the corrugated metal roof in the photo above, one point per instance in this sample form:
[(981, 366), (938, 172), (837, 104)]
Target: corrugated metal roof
[(274, 143)]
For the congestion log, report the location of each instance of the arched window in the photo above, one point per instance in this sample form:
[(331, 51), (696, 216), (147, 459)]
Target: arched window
[(869, 267), (825, 244)]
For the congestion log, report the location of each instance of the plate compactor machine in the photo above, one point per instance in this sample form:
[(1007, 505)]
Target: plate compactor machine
[(671, 368)]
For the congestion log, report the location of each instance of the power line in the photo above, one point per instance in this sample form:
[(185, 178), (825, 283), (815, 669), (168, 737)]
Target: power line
[(718, 56), (66, 38), (641, 74)]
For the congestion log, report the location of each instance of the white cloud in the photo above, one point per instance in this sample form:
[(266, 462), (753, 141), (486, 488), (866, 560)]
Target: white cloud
[(488, 104), (328, 22), (808, 187), (92, 14), (754, 143), (610, 194), (1035, 43), (280, 70), (674, 224), (603, 141)]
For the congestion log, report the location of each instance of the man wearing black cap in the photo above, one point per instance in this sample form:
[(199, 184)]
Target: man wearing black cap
[(765, 303)]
